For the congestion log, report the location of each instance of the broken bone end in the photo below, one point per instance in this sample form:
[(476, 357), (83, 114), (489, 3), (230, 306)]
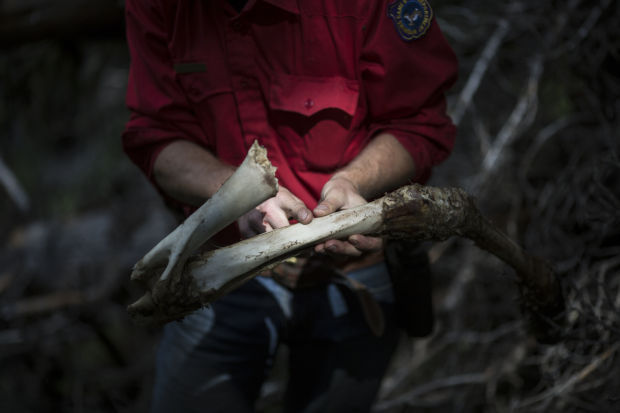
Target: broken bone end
[(258, 155), (138, 271), (146, 312), (160, 270), (143, 310)]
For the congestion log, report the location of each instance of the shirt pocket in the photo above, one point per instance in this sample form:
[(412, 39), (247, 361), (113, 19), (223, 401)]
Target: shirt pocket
[(314, 114), (205, 88)]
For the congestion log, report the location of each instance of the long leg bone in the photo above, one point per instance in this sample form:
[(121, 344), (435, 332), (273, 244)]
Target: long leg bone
[(413, 212), (252, 183)]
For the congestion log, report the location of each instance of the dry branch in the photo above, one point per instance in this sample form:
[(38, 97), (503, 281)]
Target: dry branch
[(43, 304), (411, 396), (13, 188), (479, 70), (561, 389), (520, 118)]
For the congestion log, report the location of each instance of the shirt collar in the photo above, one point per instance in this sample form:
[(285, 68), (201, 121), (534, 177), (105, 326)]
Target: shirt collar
[(288, 5)]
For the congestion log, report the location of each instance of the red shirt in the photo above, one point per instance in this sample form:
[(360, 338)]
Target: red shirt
[(312, 80)]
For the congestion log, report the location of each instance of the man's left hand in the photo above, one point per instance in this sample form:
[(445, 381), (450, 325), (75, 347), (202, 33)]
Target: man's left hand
[(337, 194)]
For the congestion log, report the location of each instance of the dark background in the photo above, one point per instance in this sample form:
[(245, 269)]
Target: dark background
[(538, 108)]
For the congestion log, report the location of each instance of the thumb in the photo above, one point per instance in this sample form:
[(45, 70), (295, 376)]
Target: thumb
[(327, 206)]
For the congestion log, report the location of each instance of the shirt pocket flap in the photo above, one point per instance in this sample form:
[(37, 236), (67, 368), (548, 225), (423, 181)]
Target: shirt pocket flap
[(308, 95), (201, 82)]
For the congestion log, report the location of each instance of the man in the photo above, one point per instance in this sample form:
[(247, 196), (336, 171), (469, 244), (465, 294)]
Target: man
[(348, 98)]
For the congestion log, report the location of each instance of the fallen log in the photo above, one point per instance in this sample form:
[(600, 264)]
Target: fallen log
[(413, 212)]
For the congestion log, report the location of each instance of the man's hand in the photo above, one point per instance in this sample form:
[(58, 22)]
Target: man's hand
[(383, 165), (340, 193), (274, 213)]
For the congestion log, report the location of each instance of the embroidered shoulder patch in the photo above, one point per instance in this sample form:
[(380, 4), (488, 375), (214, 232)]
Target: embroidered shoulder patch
[(412, 18)]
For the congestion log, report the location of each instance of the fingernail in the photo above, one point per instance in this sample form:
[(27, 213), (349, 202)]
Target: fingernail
[(321, 208), (332, 248), (303, 215)]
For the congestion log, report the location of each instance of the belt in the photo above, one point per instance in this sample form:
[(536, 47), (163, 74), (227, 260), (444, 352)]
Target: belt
[(319, 270)]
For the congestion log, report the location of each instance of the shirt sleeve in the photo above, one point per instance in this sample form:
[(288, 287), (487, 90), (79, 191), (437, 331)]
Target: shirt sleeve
[(160, 113), (405, 83)]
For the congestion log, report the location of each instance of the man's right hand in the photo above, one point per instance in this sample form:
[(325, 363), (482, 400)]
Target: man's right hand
[(341, 193), (274, 213)]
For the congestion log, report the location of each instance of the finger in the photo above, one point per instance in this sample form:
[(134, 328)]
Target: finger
[(275, 217), (336, 247), (255, 221), (251, 224), (366, 244), (303, 215), (257, 226), (320, 248), (327, 206), (244, 228), (295, 208)]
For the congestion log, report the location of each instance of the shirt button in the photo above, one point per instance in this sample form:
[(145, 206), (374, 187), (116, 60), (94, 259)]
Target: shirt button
[(238, 26), (309, 103)]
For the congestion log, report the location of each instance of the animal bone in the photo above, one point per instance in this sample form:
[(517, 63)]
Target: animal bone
[(253, 182), (413, 212)]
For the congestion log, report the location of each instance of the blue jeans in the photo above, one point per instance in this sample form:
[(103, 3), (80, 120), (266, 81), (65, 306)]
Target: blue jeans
[(217, 358)]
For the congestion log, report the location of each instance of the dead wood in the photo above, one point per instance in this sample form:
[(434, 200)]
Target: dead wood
[(13, 188), (44, 304), (479, 70)]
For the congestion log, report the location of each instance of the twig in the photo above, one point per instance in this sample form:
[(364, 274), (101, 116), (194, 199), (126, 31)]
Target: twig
[(481, 131), (42, 304), (479, 70), (423, 352), (522, 115), (539, 141), (5, 281), (561, 389), (485, 337), (584, 30), (458, 287), (452, 381), (452, 31), (525, 110), (11, 337), (13, 188)]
